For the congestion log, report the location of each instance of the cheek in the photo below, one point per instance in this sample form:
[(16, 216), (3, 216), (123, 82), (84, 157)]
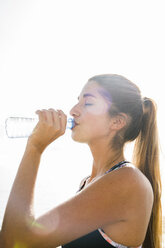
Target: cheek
[(99, 109), (98, 125)]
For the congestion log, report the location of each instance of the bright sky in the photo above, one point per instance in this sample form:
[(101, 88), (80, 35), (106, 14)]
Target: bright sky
[(49, 49)]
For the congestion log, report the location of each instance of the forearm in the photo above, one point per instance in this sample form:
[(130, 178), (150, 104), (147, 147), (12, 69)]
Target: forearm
[(19, 210), (19, 222)]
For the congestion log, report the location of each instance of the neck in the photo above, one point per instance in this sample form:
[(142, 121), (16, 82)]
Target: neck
[(104, 158)]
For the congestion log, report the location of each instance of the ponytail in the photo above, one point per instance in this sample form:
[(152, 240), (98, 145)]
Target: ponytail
[(146, 158)]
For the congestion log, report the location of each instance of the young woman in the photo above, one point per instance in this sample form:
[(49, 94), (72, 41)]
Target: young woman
[(119, 204)]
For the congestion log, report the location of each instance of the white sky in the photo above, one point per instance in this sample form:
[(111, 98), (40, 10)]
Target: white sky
[(49, 49)]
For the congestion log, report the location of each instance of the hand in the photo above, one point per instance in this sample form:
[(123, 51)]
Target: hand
[(51, 125)]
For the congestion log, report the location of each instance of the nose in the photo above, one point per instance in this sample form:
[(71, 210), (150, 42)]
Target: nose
[(75, 111)]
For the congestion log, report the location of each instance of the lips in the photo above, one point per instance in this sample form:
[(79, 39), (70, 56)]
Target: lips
[(75, 123)]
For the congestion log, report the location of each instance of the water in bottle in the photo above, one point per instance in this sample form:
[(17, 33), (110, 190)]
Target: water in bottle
[(22, 127)]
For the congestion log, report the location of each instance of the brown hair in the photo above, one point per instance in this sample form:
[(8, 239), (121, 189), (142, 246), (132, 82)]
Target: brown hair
[(126, 98)]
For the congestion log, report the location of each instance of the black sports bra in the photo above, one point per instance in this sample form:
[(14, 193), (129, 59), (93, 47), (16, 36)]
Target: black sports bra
[(97, 238)]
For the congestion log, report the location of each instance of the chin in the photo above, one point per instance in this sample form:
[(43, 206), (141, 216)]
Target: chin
[(78, 138)]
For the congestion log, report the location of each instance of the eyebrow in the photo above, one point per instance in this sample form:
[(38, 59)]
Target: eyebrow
[(86, 95)]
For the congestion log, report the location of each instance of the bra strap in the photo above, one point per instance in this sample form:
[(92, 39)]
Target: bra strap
[(120, 164)]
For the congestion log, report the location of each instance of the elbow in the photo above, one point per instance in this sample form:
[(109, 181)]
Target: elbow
[(4, 241), (1, 239), (15, 233), (26, 235), (15, 239)]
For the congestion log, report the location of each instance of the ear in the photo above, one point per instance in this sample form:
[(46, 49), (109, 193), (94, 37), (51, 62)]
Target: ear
[(119, 121)]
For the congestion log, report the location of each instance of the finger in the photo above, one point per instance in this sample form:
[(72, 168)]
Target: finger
[(49, 117), (53, 113), (63, 120), (56, 119), (44, 115), (40, 115), (60, 114)]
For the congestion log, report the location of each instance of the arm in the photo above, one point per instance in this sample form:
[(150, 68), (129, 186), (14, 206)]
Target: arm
[(102, 202), (19, 211)]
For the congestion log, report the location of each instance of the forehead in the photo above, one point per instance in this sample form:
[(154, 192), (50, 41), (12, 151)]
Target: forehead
[(90, 87), (96, 90)]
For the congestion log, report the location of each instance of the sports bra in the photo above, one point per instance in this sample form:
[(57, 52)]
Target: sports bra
[(97, 238)]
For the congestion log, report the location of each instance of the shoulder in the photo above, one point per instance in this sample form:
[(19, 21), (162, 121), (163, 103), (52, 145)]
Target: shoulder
[(129, 182), (131, 174), (138, 179), (124, 176)]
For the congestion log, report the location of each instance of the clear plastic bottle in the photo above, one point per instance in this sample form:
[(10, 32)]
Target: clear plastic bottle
[(22, 127)]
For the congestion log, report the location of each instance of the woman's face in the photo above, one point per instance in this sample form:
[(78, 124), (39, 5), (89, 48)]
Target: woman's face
[(91, 114)]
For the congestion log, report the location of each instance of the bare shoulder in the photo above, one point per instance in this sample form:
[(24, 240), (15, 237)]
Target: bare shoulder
[(136, 178), (134, 181), (129, 176)]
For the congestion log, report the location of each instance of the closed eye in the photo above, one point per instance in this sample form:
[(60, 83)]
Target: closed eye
[(88, 104)]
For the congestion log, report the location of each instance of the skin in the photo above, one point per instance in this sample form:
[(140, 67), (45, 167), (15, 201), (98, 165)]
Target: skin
[(124, 197)]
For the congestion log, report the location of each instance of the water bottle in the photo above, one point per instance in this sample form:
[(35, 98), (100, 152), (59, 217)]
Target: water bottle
[(22, 127)]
